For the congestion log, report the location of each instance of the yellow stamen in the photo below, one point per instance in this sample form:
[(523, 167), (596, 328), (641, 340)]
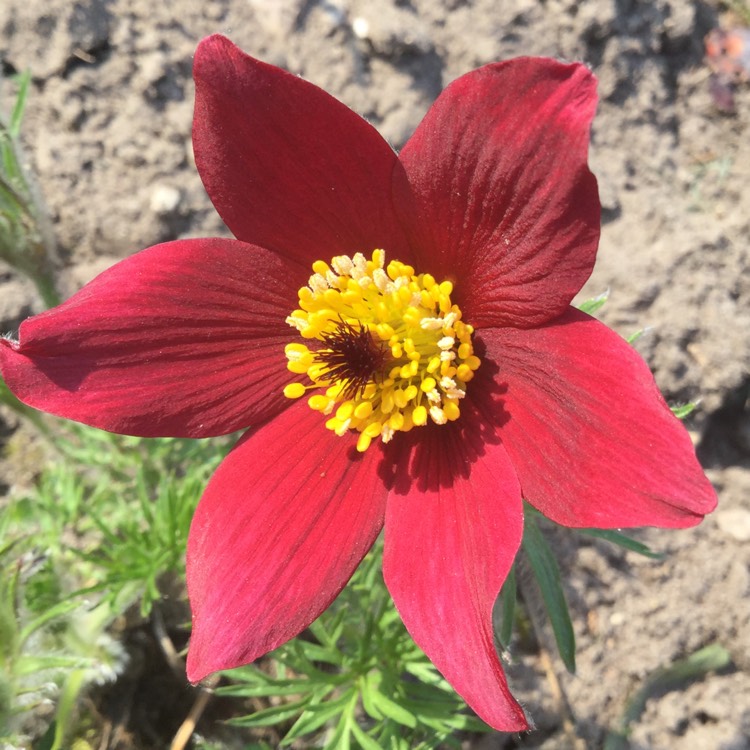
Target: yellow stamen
[(390, 350), (294, 390)]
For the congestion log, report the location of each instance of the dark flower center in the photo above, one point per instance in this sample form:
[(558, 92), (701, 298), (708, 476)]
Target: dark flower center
[(352, 357)]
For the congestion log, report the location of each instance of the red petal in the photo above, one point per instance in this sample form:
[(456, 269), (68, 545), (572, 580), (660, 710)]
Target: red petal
[(503, 202), (181, 339), (452, 529), (284, 522), (286, 165), (591, 437)]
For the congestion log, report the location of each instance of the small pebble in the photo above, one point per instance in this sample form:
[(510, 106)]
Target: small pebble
[(361, 27), (735, 522), (165, 199)]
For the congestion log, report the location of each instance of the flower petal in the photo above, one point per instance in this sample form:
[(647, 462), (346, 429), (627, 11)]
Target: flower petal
[(286, 165), (453, 526), (498, 193), (283, 523), (591, 437), (182, 339)]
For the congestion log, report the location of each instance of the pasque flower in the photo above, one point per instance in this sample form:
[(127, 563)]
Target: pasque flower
[(396, 332)]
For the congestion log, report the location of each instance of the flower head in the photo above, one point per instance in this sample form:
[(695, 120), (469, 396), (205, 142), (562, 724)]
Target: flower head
[(397, 333)]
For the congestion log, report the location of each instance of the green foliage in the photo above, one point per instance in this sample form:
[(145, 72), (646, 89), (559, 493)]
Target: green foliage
[(624, 541), (590, 306), (106, 521), (41, 646), (505, 610), (136, 500), (354, 679), (670, 677), (547, 574), (683, 411), (26, 239), (636, 335)]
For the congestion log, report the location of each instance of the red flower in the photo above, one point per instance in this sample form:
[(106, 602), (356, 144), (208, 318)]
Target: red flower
[(493, 194)]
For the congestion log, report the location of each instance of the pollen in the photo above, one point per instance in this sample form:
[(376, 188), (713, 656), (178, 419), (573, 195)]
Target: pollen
[(387, 352)]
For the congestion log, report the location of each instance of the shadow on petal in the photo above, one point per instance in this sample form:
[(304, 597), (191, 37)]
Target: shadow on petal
[(436, 456)]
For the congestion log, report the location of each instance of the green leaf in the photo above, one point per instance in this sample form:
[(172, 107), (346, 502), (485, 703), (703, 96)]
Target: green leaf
[(364, 739), (447, 713), (547, 574), (675, 676), (268, 717), (66, 704), (14, 125), (590, 306), (366, 690), (47, 740), (635, 336), (317, 714), (286, 687), (315, 652), (684, 410), (28, 664), (506, 609), (624, 541), (393, 710), (341, 738), (62, 608)]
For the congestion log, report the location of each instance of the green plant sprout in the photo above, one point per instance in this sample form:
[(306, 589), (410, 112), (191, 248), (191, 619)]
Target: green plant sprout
[(26, 238)]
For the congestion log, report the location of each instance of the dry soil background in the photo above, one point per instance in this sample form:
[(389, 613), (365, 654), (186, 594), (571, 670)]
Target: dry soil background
[(108, 134)]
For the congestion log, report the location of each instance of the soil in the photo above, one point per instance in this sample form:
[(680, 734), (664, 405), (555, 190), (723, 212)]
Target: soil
[(107, 133)]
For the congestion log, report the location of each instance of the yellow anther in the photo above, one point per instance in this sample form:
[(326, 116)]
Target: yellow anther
[(464, 373), (451, 410), (428, 384), (345, 411), (419, 415), (299, 367), (447, 370), (369, 393), (386, 402), (433, 365), (333, 299), (339, 426), (396, 421), (295, 348), (363, 442), (400, 399), (321, 267), (412, 316), (363, 410), (384, 331), (373, 429), (409, 370), (318, 402), (294, 390)]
